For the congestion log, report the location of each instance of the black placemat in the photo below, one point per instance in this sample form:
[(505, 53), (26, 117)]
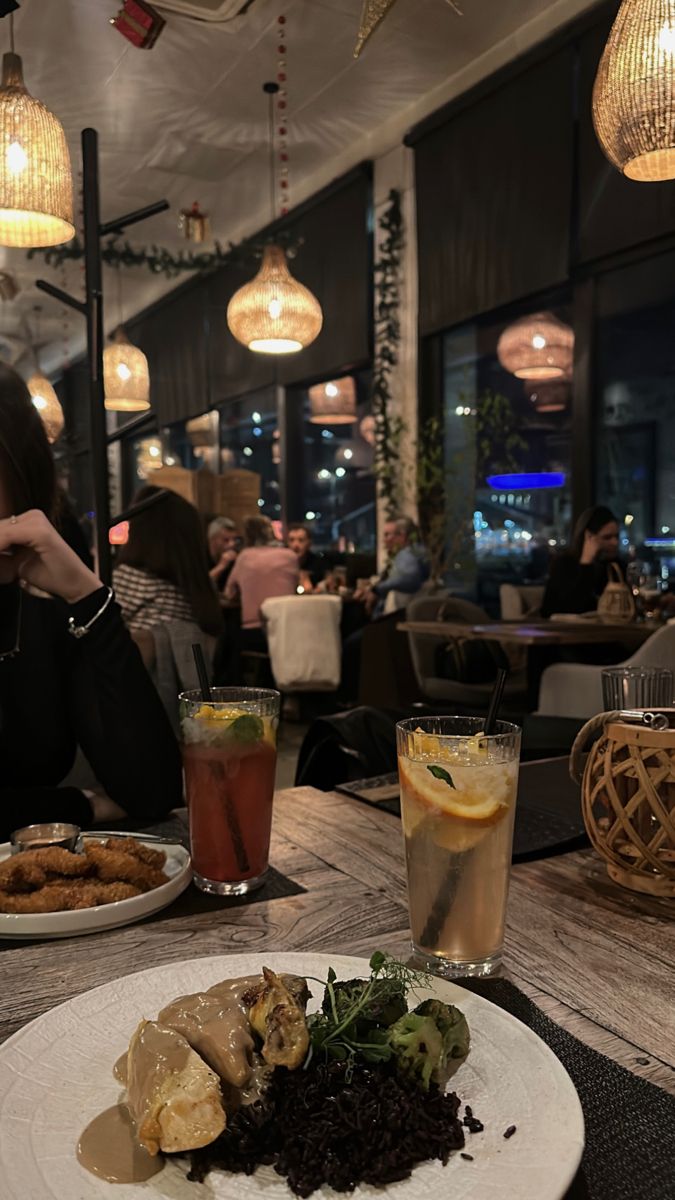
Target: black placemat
[(630, 1123), (192, 902), (543, 827)]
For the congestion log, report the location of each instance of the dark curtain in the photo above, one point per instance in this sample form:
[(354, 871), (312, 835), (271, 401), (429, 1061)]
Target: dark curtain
[(493, 197), (174, 337), (614, 212)]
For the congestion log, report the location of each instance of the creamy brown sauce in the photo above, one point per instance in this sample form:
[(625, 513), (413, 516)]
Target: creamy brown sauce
[(109, 1148), (120, 1069), (212, 1023)]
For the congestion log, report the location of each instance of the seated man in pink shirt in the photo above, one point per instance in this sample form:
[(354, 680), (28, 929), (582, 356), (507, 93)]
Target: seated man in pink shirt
[(263, 569)]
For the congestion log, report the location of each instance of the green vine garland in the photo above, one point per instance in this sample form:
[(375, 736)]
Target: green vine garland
[(389, 426), (161, 261)]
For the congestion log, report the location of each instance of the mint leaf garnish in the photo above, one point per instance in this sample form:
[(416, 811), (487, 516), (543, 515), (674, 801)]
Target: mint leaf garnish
[(441, 773), (247, 728)]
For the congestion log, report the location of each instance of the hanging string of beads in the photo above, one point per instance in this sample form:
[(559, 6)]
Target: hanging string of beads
[(282, 119)]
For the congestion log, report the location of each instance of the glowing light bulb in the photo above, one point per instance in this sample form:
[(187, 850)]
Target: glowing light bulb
[(123, 371), (154, 451), (39, 402), (331, 390), (274, 309), (348, 453), (340, 472), (17, 159), (667, 39), (539, 341)]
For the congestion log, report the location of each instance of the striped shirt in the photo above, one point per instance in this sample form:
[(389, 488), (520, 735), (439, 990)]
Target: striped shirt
[(146, 600)]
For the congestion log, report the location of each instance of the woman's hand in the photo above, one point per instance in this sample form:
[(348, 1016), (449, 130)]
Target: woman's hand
[(32, 551), (591, 548)]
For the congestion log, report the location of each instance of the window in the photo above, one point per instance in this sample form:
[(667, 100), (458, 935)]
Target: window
[(635, 365), (250, 440), (507, 399)]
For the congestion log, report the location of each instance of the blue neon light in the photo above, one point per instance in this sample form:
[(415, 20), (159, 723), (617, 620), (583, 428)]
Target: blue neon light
[(528, 481), (660, 543)]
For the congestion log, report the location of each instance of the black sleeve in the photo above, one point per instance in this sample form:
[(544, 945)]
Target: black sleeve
[(33, 805), (118, 717), (570, 587)]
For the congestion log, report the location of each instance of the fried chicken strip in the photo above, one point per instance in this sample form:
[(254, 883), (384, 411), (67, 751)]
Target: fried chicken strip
[(19, 876), (146, 854), (116, 865), (67, 895)]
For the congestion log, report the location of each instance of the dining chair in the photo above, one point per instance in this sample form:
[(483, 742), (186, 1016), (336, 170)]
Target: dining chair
[(575, 689)]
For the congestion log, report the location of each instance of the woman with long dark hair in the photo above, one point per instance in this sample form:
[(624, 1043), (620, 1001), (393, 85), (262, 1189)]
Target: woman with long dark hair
[(578, 577), (70, 674), (163, 572)]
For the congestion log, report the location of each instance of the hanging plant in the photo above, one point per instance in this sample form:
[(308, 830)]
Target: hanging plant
[(389, 427)]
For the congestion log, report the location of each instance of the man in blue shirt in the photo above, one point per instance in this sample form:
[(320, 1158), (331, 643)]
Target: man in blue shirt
[(408, 568)]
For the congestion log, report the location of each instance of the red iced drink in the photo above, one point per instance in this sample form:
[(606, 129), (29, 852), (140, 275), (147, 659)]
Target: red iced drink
[(229, 755)]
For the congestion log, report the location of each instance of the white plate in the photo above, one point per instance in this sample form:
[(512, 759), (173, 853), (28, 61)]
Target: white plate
[(104, 916), (55, 1075)]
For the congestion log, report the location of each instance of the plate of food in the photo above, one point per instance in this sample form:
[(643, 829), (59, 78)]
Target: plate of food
[(248, 1076), (52, 892)]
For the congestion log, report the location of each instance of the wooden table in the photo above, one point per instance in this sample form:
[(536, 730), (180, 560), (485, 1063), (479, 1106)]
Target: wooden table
[(600, 961), (535, 633)]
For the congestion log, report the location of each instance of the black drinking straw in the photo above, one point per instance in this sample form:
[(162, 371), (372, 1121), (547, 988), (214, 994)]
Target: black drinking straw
[(439, 910), (232, 819)]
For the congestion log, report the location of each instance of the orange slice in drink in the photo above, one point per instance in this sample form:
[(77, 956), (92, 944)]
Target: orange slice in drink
[(477, 794)]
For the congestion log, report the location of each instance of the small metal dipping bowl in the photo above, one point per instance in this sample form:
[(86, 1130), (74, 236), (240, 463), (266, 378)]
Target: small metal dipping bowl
[(52, 833)]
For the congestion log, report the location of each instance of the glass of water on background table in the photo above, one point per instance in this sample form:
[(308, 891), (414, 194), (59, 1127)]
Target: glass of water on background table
[(458, 801), (229, 757)]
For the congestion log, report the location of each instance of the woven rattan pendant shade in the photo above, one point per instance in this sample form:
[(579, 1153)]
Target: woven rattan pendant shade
[(126, 377), (274, 314), (634, 92), (36, 189), (537, 347), (548, 397), (47, 403), (333, 403)]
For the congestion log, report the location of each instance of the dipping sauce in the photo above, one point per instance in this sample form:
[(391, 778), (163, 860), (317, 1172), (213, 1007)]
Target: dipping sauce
[(108, 1148), (51, 833)]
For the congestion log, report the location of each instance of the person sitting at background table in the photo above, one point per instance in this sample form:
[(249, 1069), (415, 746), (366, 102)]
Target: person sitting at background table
[(578, 577), (224, 543), (263, 569), (408, 570), (163, 570), (312, 566), (69, 672)]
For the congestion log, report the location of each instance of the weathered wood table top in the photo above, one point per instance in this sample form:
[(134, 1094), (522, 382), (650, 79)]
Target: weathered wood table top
[(599, 960)]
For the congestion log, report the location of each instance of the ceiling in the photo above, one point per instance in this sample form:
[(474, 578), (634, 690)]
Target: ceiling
[(187, 120)]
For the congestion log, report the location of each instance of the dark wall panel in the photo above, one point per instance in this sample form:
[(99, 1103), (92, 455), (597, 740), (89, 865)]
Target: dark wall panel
[(493, 197), (173, 336), (614, 212)]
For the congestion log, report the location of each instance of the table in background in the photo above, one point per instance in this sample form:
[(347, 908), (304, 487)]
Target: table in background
[(583, 949), (536, 633)]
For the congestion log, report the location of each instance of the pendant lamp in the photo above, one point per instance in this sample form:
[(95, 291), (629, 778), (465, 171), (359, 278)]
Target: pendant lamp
[(126, 377), (47, 404), (537, 347), (634, 91), (333, 403), (36, 188), (274, 314), (549, 396)]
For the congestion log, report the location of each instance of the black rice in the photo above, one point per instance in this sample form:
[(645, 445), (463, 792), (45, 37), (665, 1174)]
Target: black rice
[(339, 1126)]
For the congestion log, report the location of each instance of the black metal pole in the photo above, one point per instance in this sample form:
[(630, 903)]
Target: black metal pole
[(92, 262)]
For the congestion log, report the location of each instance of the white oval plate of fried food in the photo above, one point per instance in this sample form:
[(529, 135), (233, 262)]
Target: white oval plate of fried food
[(53, 893)]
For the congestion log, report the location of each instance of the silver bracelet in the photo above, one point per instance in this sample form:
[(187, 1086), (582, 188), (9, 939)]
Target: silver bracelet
[(80, 631)]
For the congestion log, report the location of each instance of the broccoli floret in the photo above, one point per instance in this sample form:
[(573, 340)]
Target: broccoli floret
[(385, 1005), (452, 1025), (417, 1044), (425, 1040)]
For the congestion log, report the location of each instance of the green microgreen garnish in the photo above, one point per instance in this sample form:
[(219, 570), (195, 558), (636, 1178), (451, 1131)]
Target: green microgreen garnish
[(441, 773), (356, 1014)]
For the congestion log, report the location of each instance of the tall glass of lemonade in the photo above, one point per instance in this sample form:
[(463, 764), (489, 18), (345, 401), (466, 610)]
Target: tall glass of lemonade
[(458, 801), (229, 756)]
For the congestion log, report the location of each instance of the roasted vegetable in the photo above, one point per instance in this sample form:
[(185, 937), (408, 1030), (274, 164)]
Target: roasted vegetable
[(379, 1006), (425, 1040)]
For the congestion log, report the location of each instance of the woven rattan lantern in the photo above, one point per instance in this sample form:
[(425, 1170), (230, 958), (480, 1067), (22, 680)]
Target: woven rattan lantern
[(36, 189), (628, 800), (548, 397), (126, 378), (634, 92), (537, 347), (333, 403), (274, 314), (47, 403)]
